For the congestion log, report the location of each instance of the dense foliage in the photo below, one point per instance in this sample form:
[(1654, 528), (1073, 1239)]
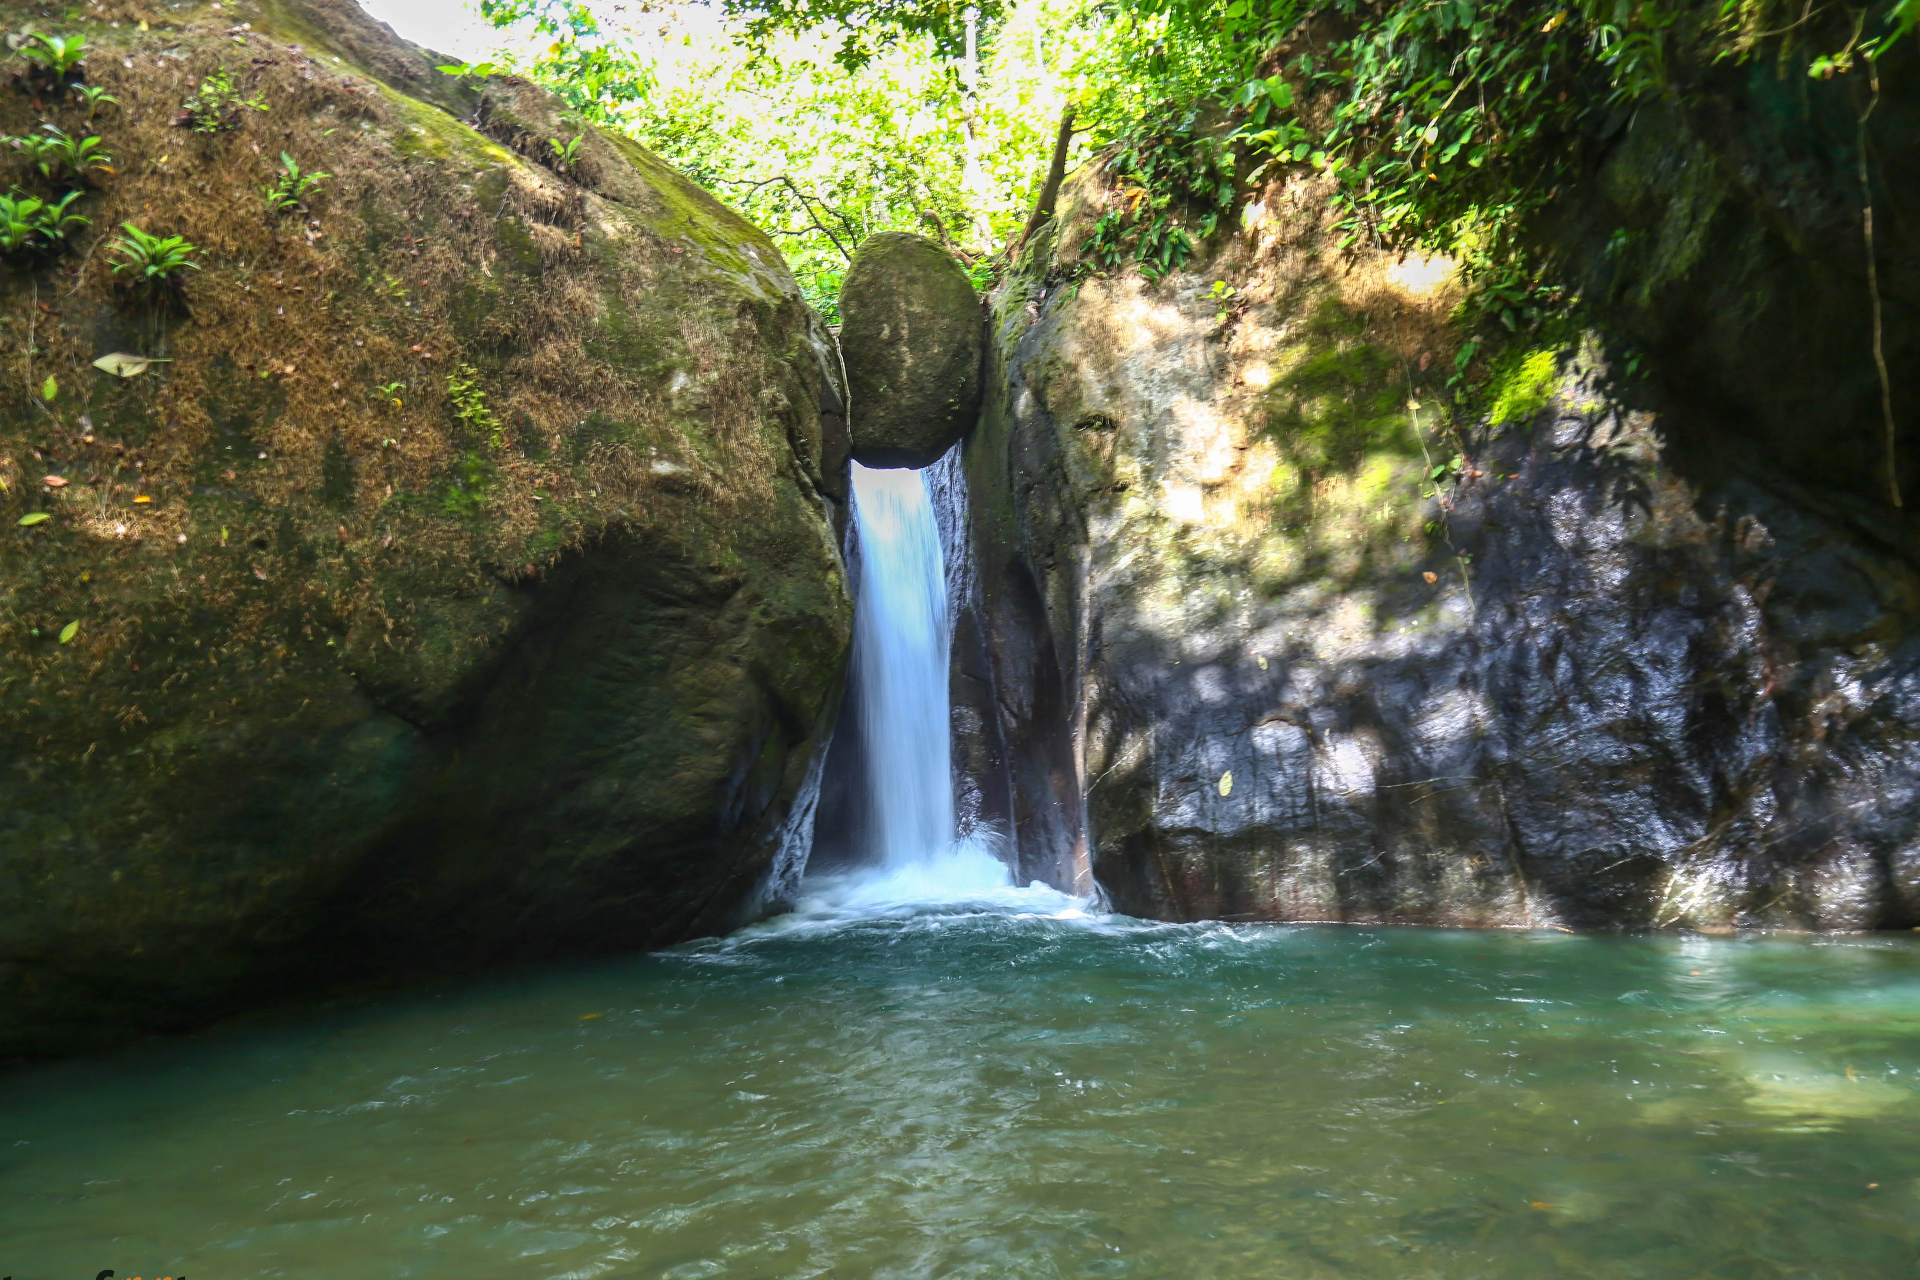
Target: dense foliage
[(1447, 124)]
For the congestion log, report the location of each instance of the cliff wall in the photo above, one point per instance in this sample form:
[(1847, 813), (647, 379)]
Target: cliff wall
[(1277, 628)]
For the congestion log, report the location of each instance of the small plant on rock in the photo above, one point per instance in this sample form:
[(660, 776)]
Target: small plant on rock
[(154, 262), (1222, 295), (291, 187), (31, 226), (94, 97), (565, 153), (36, 149), (59, 155), (55, 57), (216, 104), (470, 405)]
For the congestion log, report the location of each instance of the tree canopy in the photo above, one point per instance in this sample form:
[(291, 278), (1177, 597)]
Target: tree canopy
[(1446, 123)]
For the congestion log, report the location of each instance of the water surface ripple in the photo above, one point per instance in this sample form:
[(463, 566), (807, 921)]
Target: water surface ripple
[(1012, 1087)]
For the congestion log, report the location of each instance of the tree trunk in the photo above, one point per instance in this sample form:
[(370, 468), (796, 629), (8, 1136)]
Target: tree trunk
[(1049, 189)]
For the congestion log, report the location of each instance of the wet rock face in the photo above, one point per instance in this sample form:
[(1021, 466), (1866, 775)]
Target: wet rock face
[(1725, 239), (912, 335), (1251, 661), (463, 589)]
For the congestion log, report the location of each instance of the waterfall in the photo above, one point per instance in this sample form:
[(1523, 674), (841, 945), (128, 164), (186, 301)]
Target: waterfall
[(905, 596), (900, 651), (947, 489)]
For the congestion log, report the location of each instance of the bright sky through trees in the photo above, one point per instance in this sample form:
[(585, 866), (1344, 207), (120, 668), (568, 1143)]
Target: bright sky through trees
[(445, 26), (817, 155)]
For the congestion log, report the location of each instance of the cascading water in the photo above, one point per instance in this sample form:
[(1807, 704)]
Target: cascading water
[(900, 654), (900, 661)]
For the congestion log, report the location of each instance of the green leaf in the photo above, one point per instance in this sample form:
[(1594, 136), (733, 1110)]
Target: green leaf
[(50, 389), (68, 632), (34, 517)]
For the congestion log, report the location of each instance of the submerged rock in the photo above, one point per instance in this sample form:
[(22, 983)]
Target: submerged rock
[(464, 585), (1262, 633), (912, 335)]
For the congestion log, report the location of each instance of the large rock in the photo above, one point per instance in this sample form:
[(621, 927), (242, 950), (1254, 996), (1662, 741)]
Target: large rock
[(912, 335), (1238, 654), (465, 586)]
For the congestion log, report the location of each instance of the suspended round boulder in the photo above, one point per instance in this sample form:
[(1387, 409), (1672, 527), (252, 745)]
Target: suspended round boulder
[(913, 334)]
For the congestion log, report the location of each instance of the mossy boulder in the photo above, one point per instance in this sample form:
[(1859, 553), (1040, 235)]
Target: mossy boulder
[(459, 585), (1272, 618), (912, 334)]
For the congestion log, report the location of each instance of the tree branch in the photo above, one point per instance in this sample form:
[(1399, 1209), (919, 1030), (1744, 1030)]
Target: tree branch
[(806, 206), (1049, 196)]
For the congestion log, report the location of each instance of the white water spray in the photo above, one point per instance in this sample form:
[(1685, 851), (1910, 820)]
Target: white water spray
[(900, 648)]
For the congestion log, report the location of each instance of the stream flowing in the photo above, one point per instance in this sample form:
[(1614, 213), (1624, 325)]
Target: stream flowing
[(925, 1071)]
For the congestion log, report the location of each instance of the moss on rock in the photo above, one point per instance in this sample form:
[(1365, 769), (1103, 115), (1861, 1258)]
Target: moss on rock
[(466, 424), (912, 335)]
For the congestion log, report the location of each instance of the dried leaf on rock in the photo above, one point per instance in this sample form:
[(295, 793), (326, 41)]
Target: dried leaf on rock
[(123, 365)]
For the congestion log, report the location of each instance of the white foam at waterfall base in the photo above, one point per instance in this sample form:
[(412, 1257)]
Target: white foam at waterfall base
[(963, 877)]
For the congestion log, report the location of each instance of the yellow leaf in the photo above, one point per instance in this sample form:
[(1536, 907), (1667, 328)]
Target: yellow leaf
[(122, 364), (142, 497), (68, 632), (1226, 783)]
